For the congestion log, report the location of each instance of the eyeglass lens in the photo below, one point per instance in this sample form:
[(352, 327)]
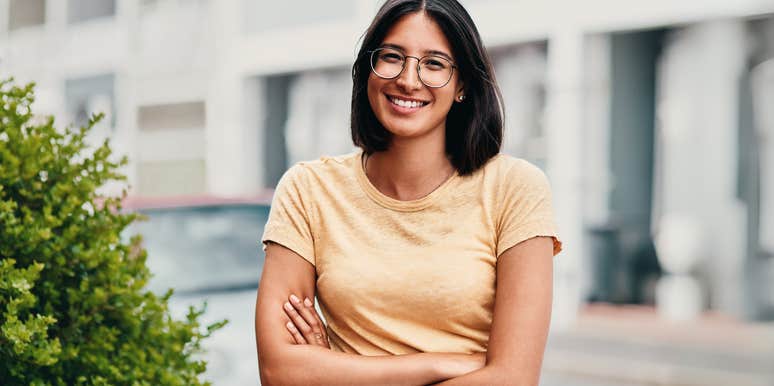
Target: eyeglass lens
[(434, 71)]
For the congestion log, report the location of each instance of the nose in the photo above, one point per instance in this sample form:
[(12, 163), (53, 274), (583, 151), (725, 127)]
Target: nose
[(408, 80)]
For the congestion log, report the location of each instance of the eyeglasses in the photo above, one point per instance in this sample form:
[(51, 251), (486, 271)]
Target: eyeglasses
[(433, 70)]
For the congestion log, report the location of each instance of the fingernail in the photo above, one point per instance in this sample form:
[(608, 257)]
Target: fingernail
[(288, 306), (294, 299), (308, 302), (291, 326)]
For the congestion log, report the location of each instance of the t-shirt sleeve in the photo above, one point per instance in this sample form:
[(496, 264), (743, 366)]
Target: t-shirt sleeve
[(525, 208), (289, 223)]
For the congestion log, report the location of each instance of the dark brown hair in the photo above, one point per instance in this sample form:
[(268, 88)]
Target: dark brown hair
[(474, 128)]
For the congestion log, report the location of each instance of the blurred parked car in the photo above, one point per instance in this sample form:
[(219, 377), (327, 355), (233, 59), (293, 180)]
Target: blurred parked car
[(208, 249)]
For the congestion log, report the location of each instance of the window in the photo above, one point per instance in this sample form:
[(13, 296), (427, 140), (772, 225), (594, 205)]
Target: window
[(261, 16), (186, 115), (26, 13), (306, 115), (89, 95), (275, 151), (171, 178), (84, 10), (521, 74), (202, 249), (318, 114), (756, 152)]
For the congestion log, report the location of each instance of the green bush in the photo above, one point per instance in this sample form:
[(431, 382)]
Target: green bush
[(73, 305)]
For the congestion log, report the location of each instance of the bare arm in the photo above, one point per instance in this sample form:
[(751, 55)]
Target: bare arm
[(521, 317), (282, 362)]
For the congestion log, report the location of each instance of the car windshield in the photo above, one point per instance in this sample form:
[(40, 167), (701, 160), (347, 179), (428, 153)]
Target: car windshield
[(203, 249)]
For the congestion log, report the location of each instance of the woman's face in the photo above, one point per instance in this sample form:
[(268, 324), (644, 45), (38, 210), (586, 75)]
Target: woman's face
[(415, 35)]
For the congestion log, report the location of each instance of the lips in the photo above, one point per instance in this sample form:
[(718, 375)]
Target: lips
[(404, 104)]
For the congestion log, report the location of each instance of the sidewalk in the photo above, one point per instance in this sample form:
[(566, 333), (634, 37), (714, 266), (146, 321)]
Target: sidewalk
[(630, 345)]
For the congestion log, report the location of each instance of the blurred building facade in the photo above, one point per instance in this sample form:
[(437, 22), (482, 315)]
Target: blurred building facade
[(646, 116)]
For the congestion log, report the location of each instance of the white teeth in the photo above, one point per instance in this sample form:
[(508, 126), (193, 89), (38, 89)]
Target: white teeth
[(409, 104)]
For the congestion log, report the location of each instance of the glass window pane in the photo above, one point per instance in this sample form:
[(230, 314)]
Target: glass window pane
[(25, 13), (203, 248), (170, 178), (521, 74), (266, 15), (186, 115), (89, 95), (83, 10)]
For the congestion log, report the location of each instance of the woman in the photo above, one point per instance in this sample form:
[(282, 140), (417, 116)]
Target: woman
[(406, 243)]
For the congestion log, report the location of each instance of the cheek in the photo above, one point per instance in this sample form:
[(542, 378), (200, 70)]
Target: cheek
[(444, 96), (444, 100), (372, 90)]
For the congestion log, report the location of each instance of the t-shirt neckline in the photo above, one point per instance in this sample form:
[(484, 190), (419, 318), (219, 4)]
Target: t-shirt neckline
[(391, 203)]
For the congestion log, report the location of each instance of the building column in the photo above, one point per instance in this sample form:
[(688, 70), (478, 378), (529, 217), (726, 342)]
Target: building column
[(231, 151), (697, 152), (564, 166)]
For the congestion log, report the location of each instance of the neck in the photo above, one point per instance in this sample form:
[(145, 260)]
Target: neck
[(409, 170)]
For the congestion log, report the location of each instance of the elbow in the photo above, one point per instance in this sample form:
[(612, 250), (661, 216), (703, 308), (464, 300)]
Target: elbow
[(268, 375), (504, 375), (271, 374), (270, 371), (267, 369), (273, 371)]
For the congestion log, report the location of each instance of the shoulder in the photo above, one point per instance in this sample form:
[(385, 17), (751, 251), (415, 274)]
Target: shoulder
[(325, 168), (512, 172), (327, 164)]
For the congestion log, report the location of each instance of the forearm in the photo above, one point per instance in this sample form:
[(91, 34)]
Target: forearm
[(285, 359), (307, 364), (522, 314), (488, 375)]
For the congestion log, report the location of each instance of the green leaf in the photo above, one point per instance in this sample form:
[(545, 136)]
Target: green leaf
[(73, 305)]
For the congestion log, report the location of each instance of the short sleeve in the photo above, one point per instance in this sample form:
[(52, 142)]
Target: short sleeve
[(289, 223), (525, 207)]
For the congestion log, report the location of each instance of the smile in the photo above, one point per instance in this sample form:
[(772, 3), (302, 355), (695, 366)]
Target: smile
[(406, 104)]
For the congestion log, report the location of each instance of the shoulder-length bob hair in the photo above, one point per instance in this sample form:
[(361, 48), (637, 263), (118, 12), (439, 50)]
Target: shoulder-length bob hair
[(474, 128)]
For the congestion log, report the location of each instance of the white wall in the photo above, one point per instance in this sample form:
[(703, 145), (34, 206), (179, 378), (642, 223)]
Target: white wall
[(173, 51)]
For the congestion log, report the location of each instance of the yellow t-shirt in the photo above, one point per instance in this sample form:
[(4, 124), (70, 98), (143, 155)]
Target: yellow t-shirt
[(398, 277)]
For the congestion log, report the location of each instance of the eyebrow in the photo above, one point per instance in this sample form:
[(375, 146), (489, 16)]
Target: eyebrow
[(426, 52)]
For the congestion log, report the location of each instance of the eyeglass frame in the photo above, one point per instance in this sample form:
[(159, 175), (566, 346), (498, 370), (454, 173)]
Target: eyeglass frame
[(403, 66)]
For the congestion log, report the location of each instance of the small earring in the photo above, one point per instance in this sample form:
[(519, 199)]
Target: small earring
[(461, 98)]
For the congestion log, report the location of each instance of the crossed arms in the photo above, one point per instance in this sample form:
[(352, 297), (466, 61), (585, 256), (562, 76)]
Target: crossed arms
[(515, 352)]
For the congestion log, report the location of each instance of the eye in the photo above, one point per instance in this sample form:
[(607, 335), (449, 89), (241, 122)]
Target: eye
[(390, 57), (435, 64)]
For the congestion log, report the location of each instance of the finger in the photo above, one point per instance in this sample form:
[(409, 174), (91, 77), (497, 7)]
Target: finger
[(310, 317), (324, 331), (310, 305), (297, 320), (297, 337)]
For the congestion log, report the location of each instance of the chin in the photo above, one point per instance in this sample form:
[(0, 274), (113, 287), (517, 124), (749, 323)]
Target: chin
[(407, 131)]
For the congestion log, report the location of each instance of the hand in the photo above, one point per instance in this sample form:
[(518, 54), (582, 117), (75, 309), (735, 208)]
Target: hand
[(305, 325)]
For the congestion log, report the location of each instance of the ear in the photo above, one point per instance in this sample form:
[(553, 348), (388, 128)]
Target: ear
[(459, 95)]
